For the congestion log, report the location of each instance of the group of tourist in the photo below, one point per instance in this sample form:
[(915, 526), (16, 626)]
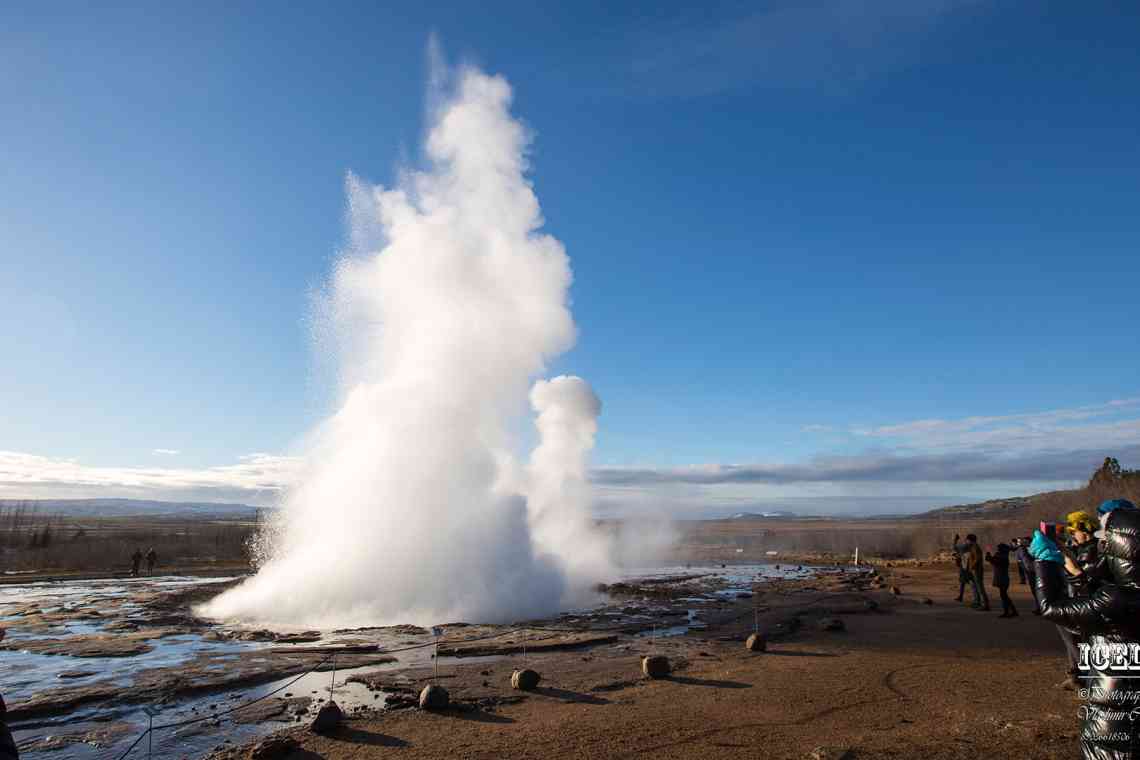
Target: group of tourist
[(1084, 576), (137, 558)]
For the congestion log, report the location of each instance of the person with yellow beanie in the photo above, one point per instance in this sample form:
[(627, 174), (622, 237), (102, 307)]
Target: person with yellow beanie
[(1082, 552)]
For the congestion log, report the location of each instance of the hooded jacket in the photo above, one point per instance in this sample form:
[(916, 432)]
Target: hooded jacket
[(1110, 615), (1119, 560)]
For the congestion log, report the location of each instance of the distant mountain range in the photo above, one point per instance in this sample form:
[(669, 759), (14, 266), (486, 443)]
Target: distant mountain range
[(130, 507), (992, 509), (761, 515)]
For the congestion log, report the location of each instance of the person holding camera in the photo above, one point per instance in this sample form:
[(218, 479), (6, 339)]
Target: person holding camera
[(1108, 624), (1027, 568), (1000, 562)]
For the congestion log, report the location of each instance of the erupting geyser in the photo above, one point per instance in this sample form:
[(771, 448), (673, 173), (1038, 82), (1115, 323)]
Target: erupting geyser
[(413, 505)]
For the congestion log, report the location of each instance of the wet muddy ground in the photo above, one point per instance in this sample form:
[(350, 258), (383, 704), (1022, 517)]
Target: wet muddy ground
[(86, 663)]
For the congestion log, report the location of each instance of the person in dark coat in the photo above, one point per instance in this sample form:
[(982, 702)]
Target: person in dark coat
[(1107, 621), (1083, 553), (1000, 562), (1025, 563), (1015, 544), (136, 560), (963, 576), (151, 559)]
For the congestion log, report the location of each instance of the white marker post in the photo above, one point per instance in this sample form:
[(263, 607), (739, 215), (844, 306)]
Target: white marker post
[(436, 631), (856, 556)]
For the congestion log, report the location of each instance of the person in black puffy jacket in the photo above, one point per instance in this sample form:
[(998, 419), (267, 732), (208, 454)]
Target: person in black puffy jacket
[(1107, 620)]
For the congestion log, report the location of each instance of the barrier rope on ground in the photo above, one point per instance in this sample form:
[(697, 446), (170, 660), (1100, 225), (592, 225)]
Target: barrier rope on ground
[(216, 715)]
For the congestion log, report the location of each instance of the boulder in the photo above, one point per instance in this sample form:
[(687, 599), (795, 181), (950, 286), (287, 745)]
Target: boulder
[(525, 679), (756, 643), (871, 605), (927, 600), (655, 666), (273, 748), (434, 697), (896, 590), (831, 624), (328, 718)]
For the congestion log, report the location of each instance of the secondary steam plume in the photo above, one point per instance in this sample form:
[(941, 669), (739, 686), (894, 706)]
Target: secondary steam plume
[(413, 507)]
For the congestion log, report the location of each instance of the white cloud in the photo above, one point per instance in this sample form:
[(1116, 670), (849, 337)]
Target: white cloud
[(918, 464), (256, 479), (166, 452), (1091, 426)]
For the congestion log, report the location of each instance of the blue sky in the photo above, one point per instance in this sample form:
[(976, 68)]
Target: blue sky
[(798, 230)]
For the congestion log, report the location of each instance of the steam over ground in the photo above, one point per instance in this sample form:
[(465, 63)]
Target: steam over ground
[(414, 505)]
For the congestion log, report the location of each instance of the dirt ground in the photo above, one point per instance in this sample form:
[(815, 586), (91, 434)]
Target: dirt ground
[(908, 680)]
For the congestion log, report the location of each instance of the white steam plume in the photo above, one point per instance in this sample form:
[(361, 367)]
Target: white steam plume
[(559, 496), (412, 506)]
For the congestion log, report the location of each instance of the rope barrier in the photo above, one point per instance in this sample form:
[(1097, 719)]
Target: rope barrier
[(215, 716)]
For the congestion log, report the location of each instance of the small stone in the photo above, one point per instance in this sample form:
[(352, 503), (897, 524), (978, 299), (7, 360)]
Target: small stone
[(655, 666), (927, 600), (756, 643), (831, 624), (434, 697), (273, 748), (328, 718), (896, 590), (525, 679), (871, 605)]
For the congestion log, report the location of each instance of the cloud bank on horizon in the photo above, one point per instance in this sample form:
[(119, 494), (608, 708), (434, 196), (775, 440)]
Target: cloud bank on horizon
[(913, 465)]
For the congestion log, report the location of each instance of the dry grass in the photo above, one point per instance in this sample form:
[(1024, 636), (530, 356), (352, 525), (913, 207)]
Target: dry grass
[(31, 540)]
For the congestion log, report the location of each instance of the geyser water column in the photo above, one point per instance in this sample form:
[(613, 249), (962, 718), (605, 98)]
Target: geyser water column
[(412, 506)]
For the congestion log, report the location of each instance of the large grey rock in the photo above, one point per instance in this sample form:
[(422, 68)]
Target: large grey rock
[(434, 697), (756, 643), (525, 679)]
